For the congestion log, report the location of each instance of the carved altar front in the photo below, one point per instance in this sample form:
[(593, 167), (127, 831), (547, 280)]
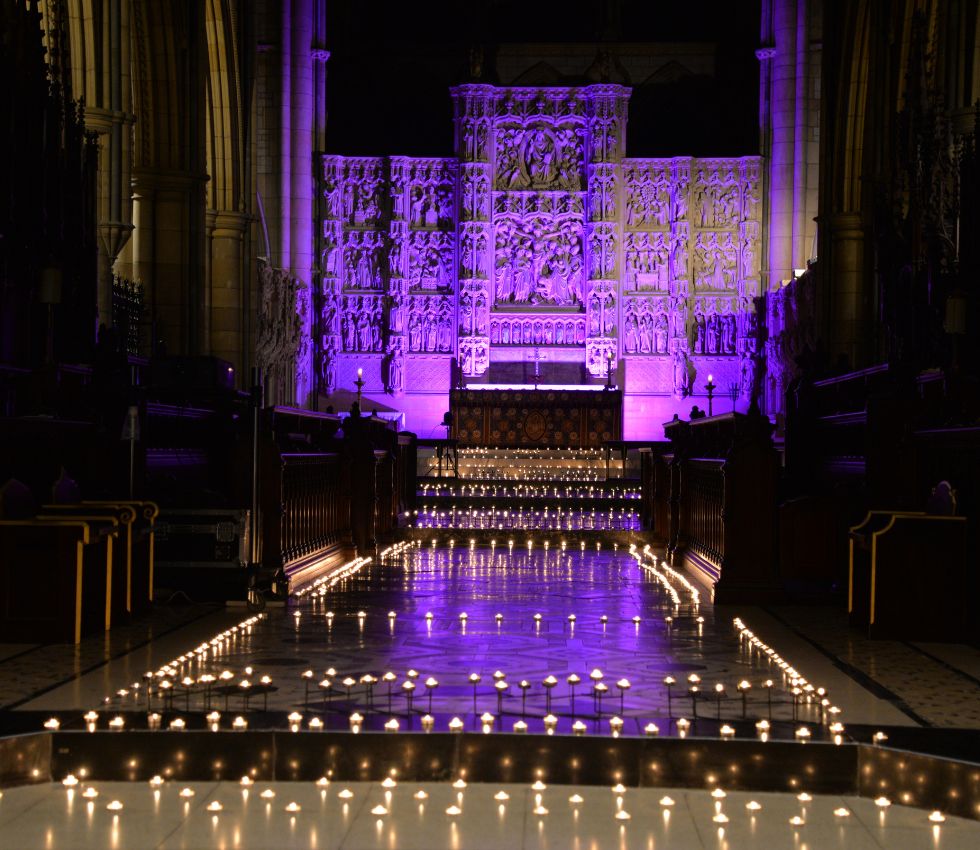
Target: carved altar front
[(541, 418)]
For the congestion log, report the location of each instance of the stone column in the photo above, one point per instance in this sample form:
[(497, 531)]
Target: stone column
[(851, 308), (606, 142), (227, 306), (474, 107), (166, 255), (781, 148), (299, 165)]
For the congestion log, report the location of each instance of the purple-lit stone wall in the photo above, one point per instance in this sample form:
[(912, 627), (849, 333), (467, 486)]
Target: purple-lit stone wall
[(540, 241)]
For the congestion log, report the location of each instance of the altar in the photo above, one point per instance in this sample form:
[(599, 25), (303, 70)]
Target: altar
[(546, 416)]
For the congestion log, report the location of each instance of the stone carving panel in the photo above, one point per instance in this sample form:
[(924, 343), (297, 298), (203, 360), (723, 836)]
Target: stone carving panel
[(331, 256), (538, 156), (430, 324), (602, 251), (537, 330), (393, 367), (646, 326), (430, 261), (539, 233), (600, 356), (429, 374), (364, 260), (538, 260), (474, 355), (716, 196), (431, 195), (715, 328), (603, 194), (361, 323), (648, 196), (355, 191), (475, 196), (474, 310), (715, 262), (602, 309), (647, 261)]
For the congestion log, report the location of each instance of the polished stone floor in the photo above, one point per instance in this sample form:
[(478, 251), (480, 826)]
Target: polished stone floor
[(415, 816), (889, 684), (435, 616)]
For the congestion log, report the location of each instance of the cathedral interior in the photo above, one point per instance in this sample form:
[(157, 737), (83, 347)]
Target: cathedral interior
[(490, 425)]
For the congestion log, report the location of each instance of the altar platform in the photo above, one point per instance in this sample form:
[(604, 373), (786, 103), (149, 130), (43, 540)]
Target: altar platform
[(547, 415)]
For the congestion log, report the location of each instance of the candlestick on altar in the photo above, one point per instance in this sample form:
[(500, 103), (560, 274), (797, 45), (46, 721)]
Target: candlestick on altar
[(710, 389), (359, 383)]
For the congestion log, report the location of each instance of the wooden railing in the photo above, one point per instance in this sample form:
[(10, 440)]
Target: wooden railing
[(313, 505), (713, 503), (702, 508)]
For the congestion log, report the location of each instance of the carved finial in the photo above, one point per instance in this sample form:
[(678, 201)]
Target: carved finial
[(476, 63)]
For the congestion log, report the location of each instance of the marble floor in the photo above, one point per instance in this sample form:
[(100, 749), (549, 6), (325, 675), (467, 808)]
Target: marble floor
[(441, 816), (508, 615), (887, 684)]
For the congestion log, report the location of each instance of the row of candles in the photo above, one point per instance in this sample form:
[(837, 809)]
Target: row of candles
[(552, 453), (90, 793), (513, 473), (486, 722), (528, 521), (529, 491)]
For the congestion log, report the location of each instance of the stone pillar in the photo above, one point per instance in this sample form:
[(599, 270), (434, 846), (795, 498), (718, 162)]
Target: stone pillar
[(226, 298), (474, 106), (851, 308), (782, 127), (300, 168), (166, 255), (606, 142)]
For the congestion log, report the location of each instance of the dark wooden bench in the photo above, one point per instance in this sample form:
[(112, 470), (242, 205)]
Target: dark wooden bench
[(908, 576), (55, 579), (121, 518), (140, 549)]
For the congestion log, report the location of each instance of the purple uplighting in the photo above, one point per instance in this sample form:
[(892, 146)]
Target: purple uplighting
[(541, 246)]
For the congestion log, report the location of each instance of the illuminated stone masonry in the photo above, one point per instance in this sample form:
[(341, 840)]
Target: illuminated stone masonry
[(541, 241)]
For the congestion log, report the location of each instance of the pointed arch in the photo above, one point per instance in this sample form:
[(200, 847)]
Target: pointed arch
[(223, 123)]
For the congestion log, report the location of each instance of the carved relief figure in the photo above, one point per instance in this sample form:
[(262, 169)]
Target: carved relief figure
[(430, 324), (747, 371), (682, 380), (715, 264), (647, 261), (430, 259), (602, 250), (328, 369), (660, 334), (647, 198), (538, 157), (394, 370), (538, 261), (750, 201)]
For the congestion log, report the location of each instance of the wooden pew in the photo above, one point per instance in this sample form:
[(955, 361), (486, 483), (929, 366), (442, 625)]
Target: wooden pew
[(55, 579), (908, 576), (121, 519), (140, 549)]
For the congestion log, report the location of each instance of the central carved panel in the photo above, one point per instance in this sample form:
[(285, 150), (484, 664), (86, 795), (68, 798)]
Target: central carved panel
[(538, 261)]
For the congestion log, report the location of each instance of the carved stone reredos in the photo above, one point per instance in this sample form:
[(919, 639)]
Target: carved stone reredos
[(541, 233)]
